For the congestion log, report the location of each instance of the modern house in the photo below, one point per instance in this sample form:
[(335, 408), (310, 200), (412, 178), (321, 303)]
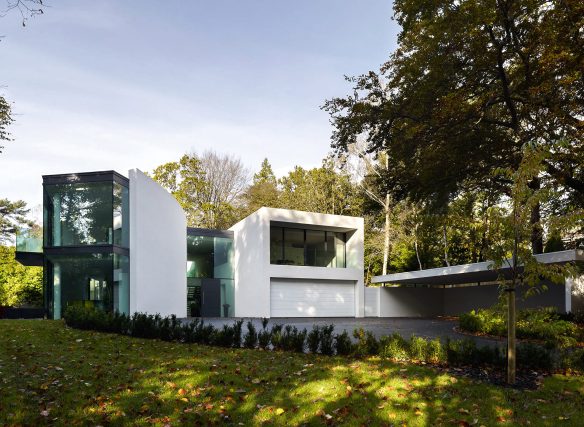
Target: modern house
[(122, 244)]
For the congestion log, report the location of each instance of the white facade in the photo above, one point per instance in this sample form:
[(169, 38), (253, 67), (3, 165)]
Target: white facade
[(268, 290), (158, 251)]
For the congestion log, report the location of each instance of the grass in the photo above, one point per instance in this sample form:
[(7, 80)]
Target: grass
[(53, 375)]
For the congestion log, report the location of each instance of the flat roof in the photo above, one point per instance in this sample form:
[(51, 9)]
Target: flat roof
[(83, 177), (471, 273)]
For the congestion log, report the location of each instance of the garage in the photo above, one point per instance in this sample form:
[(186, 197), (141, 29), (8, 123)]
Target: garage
[(312, 298)]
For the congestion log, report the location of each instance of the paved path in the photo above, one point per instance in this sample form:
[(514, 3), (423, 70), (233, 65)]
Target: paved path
[(406, 327)]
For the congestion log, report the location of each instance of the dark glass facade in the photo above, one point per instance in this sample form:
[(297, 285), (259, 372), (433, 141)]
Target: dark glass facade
[(210, 284), (308, 247), (86, 240)]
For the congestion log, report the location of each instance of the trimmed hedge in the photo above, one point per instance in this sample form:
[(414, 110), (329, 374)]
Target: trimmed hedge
[(322, 340)]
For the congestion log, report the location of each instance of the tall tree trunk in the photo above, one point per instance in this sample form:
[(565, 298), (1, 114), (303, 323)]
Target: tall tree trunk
[(445, 243), (416, 246), (536, 229), (386, 236), (511, 320)]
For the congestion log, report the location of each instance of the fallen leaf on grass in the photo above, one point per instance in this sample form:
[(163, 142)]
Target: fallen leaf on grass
[(279, 411)]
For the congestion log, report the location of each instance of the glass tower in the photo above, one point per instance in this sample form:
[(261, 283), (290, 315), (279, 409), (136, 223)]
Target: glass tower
[(86, 241)]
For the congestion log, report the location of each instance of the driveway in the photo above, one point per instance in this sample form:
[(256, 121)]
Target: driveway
[(405, 326)]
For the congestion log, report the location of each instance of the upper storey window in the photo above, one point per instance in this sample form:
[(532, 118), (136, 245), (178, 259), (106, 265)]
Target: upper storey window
[(86, 213), (309, 247)]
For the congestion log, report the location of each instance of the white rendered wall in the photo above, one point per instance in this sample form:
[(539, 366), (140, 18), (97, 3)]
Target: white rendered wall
[(372, 296), (158, 249), (253, 270)]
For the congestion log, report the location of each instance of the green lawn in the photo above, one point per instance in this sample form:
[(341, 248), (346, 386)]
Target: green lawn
[(50, 374)]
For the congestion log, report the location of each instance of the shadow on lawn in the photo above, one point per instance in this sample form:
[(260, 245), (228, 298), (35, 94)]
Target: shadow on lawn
[(331, 391)]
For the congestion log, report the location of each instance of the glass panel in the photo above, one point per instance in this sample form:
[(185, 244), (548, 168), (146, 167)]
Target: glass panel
[(293, 246), (81, 279), (330, 250), (200, 257), (78, 214), (276, 245), (227, 298), (210, 258), (309, 247), (121, 292), (29, 239), (121, 215), (315, 248), (340, 239), (223, 256), (193, 297)]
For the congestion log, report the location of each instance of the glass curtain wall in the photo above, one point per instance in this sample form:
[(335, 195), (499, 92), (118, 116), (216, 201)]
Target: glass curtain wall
[(307, 247), (86, 236), (210, 284)]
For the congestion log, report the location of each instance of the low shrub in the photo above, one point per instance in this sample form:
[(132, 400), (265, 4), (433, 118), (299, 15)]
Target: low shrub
[(327, 344), (322, 340), (237, 326), (343, 344), (313, 339), (250, 339), (533, 356), (394, 347), (543, 324), (276, 337), (367, 344)]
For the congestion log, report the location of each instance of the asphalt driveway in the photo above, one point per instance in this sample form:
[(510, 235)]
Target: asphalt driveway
[(406, 327)]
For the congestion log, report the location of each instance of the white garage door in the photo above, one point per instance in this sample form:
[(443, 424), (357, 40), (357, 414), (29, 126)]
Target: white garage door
[(312, 298)]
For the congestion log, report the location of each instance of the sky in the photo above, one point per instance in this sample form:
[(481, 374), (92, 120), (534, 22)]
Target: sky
[(102, 85)]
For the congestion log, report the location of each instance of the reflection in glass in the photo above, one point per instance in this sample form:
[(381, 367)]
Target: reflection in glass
[(91, 213), (293, 246), (29, 239), (87, 279), (309, 247), (210, 276)]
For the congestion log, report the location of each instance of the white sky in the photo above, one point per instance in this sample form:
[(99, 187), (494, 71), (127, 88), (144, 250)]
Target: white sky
[(100, 85)]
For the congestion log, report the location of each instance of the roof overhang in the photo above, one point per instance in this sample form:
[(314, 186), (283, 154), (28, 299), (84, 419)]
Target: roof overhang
[(480, 272)]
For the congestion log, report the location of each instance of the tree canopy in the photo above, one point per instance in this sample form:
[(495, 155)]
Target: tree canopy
[(470, 84)]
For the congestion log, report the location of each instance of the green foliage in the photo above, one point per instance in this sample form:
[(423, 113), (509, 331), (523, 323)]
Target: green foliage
[(19, 284), (321, 340), (538, 324), (367, 344), (484, 70), (207, 187), (5, 120), (250, 339), (343, 344), (313, 339), (12, 216)]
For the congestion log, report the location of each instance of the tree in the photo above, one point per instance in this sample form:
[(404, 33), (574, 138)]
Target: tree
[(19, 285), (470, 84), (323, 190), (512, 250), (263, 191), (207, 187), (12, 216), (226, 179), (5, 120)]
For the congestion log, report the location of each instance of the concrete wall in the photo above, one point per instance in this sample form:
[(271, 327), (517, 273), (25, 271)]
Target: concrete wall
[(372, 295), (428, 302), (411, 302), (253, 270), (158, 250)]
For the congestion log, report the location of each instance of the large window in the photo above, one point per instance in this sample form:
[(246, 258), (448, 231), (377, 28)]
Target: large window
[(92, 213), (210, 284), (297, 246), (100, 280)]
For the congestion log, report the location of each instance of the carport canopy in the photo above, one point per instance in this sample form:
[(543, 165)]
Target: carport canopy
[(479, 272)]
